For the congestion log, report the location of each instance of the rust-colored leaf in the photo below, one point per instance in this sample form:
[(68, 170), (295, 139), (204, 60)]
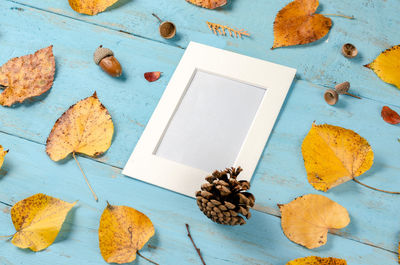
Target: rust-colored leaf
[(210, 4), (152, 76), (390, 116), (297, 24), (307, 219), (122, 232), (27, 76)]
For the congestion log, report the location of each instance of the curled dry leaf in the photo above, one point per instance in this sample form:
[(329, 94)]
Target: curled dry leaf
[(387, 66), (307, 219), (122, 232), (313, 260), (152, 76), (333, 155), (390, 116), (210, 4), (297, 24), (38, 220), (27, 76), (2, 155), (90, 7)]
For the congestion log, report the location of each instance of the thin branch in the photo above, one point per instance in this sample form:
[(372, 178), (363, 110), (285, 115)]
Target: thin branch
[(197, 249), (149, 260), (86, 179), (217, 28), (338, 15), (365, 185)]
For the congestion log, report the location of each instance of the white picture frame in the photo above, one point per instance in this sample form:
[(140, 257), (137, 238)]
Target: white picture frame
[(166, 158)]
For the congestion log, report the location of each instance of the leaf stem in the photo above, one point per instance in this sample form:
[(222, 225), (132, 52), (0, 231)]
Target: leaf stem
[(365, 185), (149, 260), (2, 237), (86, 179), (197, 249), (338, 15)]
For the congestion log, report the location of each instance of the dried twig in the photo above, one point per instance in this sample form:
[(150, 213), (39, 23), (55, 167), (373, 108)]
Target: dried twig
[(220, 29), (149, 260), (197, 249)]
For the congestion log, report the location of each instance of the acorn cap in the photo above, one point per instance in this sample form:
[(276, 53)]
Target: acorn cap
[(349, 50), (101, 53), (331, 96)]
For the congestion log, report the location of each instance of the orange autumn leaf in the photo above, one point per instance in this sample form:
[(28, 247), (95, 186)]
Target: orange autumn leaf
[(27, 76), (2, 155), (313, 260), (90, 7), (297, 24), (152, 76), (122, 232), (390, 116), (387, 66), (306, 220), (210, 4), (334, 155), (38, 220)]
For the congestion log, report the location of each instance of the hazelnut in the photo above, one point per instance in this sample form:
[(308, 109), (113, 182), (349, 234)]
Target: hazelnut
[(104, 57)]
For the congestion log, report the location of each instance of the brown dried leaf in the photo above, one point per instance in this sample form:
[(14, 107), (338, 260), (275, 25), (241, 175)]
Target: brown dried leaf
[(152, 76), (210, 4), (297, 24), (390, 116), (27, 76), (122, 232)]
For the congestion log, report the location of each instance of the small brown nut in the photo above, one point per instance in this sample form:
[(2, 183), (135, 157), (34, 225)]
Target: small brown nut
[(349, 50), (105, 59), (331, 96), (167, 30)]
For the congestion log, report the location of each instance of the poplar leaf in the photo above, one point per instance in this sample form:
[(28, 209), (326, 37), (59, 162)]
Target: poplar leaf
[(297, 24), (27, 76), (313, 260), (122, 232), (38, 220), (307, 219), (334, 155), (90, 7), (210, 4), (2, 155), (85, 128), (387, 66)]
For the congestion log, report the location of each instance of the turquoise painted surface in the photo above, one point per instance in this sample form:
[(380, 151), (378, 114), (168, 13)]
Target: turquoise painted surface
[(371, 238)]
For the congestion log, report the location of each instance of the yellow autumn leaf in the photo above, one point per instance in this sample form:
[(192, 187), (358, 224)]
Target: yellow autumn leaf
[(307, 219), (387, 66), (90, 7), (122, 232), (85, 128), (38, 220), (313, 260), (333, 155), (210, 4), (2, 155)]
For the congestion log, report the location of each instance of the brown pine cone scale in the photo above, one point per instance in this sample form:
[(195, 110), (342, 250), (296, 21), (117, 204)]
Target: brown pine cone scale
[(224, 199)]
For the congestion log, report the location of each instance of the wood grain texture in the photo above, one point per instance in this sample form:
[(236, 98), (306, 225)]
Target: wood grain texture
[(280, 176)]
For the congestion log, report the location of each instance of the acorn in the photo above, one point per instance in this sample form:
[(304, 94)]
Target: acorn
[(331, 96), (167, 29), (104, 57)]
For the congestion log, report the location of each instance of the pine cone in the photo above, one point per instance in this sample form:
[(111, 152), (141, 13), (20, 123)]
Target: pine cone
[(223, 199)]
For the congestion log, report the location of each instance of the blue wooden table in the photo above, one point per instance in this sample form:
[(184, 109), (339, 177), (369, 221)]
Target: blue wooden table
[(132, 32)]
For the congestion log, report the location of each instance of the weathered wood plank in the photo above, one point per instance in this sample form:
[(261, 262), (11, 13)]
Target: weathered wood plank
[(261, 241), (320, 62)]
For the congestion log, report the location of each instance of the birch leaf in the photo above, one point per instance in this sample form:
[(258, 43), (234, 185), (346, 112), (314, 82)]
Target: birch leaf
[(27, 76), (38, 220), (2, 155), (210, 4), (313, 260), (307, 219), (90, 7), (122, 232), (387, 66), (297, 24), (333, 155)]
